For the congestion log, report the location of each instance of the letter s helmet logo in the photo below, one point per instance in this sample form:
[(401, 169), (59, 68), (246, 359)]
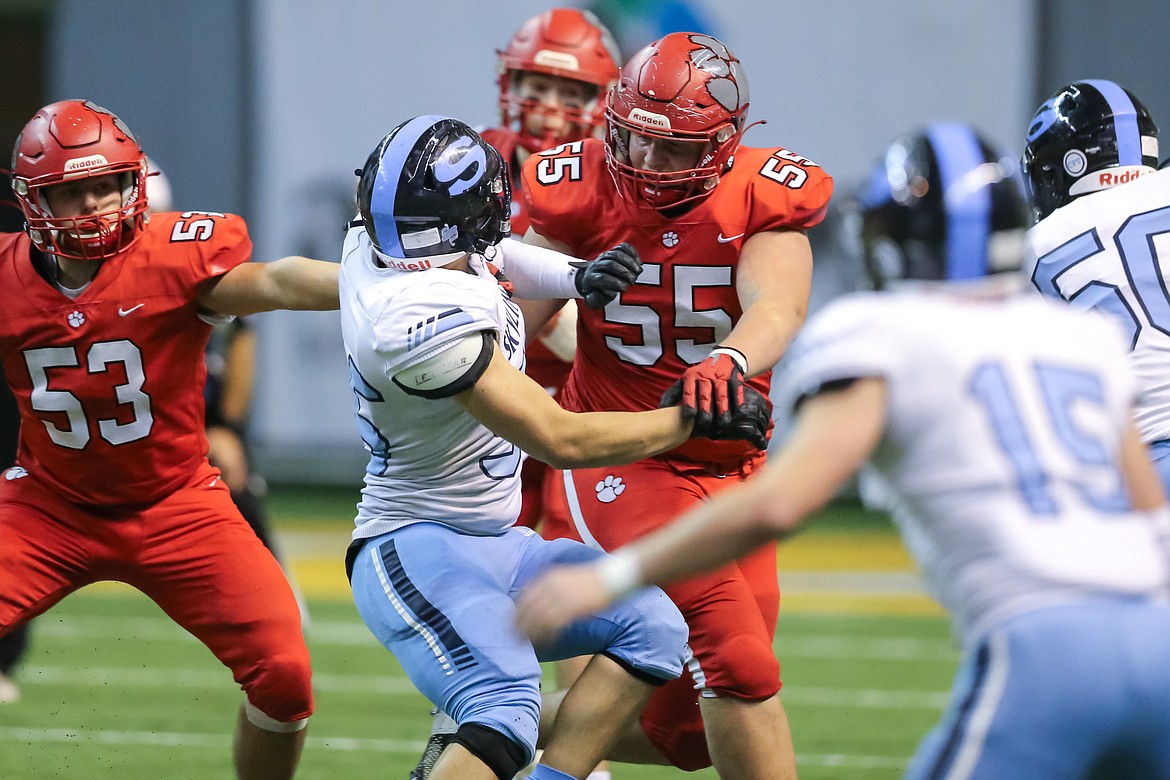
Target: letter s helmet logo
[(462, 165)]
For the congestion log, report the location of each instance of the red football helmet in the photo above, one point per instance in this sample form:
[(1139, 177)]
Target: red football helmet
[(564, 42), (683, 87), (74, 139)]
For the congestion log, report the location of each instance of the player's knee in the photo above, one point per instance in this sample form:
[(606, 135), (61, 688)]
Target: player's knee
[(282, 689), (504, 755), (654, 636), (509, 708), (749, 669)]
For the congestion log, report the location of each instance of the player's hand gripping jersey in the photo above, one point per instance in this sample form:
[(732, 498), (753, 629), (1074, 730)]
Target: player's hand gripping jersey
[(998, 462), (1109, 251), (110, 384), (685, 301)]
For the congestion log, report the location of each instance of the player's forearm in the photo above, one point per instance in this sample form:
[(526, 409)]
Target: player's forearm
[(288, 283), (516, 408), (582, 440), (773, 281), (764, 332), (303, 284)]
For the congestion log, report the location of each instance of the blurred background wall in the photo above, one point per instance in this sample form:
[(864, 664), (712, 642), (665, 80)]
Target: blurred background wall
[(265, 107)]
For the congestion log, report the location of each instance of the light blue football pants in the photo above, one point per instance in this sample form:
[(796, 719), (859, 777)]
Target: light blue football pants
[(443, 603)]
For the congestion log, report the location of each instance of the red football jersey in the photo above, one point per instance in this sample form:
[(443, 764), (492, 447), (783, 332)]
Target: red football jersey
[(685, 301), (110, 384)]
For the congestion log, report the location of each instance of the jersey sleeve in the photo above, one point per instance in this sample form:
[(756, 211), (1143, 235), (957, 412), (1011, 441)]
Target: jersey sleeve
[(425, 320), (845, 341), (559, 191), (228, 246), (182, 250), (787, 191)]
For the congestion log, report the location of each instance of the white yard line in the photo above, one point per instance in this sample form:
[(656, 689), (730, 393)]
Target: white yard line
[(347, 634), (397, 746), (137, 677)]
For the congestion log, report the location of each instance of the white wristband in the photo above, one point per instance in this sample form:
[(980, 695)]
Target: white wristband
[(733, 353), (537, 273), (620, 574)]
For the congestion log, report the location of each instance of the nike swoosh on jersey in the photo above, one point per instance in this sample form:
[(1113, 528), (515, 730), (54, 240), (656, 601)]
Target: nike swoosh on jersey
[(722, 239), (123, 312)]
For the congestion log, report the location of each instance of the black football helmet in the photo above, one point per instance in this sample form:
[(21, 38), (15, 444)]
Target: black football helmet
[(1089, 136), (941, 205), (431, 188)]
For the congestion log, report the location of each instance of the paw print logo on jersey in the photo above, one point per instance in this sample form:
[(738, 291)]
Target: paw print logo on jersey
[(76, 319), (669, 238), (16, 472), (609, 489)]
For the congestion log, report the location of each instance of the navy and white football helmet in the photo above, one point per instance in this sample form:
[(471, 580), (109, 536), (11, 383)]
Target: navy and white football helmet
[(942, 204), (1089, 136), (433, 189)]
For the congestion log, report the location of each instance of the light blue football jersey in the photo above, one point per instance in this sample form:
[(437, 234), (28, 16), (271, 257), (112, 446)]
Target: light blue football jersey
[(429, 459)]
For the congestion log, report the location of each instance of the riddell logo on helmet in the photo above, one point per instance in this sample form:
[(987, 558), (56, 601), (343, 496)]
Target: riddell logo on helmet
[(556, 59), (79, 164), (649, 118), (1108, 179), (405, 265)]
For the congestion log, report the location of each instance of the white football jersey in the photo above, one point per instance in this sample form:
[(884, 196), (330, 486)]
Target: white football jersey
[(1110, 250), (1003, 422), (429, 459)]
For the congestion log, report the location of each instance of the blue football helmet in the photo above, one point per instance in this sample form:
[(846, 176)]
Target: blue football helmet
[(941, 205), (1089, 136), (434, 188)]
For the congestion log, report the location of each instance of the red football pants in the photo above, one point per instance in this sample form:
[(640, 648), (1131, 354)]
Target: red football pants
[(191, 553), (732, 611)]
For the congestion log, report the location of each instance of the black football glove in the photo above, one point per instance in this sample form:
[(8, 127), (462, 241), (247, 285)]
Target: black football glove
[(601, 280), (750, 421), (747, 415)]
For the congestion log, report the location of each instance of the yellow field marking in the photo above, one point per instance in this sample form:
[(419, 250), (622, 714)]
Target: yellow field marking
[(321, 578), (315, 555), (844, 551), (910, 604)]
